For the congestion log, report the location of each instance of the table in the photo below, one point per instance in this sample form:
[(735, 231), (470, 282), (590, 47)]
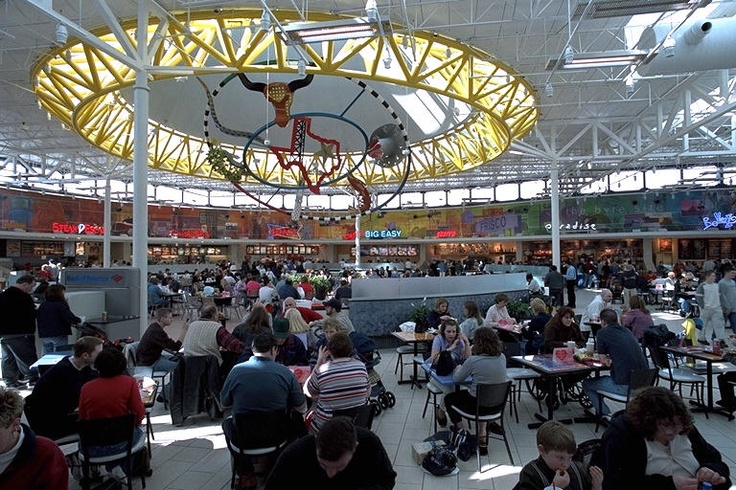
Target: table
[(447, 380), (700, 354), (48, 361), (545, 365), (413, 339), (170, 297), (118, 326)]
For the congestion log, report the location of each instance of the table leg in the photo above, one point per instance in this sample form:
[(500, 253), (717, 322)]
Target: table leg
[(415, 377), (550, 401)]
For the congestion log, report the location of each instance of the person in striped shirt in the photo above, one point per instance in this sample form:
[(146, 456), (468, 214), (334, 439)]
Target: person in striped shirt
[(340, 383)]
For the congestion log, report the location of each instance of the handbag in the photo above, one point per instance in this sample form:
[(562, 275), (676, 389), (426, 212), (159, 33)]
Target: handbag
[(445, 364), (440, 461)]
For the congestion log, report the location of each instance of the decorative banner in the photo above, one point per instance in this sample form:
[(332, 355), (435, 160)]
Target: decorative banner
[(719, 219), (282, 231), (189, 234), (78, 229), (496, 224)]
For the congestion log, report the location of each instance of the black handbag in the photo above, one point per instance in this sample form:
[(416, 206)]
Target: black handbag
[(445, 364), (440, 461)]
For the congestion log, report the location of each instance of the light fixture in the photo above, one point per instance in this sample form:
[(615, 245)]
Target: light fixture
[(569, 54), (387, 62), (265, 21), (586, 61), (371, 10), (337, 30), (549, 90), (301, 67), (62, 35), (668, 46), (604, 9)]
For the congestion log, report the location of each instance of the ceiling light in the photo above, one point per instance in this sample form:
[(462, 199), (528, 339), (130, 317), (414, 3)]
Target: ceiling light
[(301, 68), (371, 10), (62, 35), (549, 90), (584, 61), (337, 30), (387, 62), (668, 46), (603, 9), (568, 55), (265, 21)]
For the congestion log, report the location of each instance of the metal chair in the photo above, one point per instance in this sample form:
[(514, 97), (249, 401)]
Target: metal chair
[(432, 392), (677, 376), (490, 402), (361, 416), (639, 378), (517, 375), (129, 350), (108, 432)]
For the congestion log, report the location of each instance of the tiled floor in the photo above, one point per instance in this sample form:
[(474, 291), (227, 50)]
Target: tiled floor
[(195, 457)]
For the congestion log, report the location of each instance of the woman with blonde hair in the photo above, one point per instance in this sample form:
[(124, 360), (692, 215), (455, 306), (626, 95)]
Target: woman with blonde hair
[(296, 321), (534, 332)]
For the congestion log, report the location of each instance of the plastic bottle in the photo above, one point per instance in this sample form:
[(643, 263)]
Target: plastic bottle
[(590, 346), (706, 486)]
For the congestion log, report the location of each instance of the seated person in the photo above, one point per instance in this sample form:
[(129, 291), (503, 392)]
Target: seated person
[(155, 293), (339, 383), (153, 347), (291, 350), (257, 322), (441, 308), (653, 444), (450, 339), (206, 336), (498, 313), (333, 309), (345, 291), (555, 468), (534, 331), (330, 327), (27, 461), (340, 456), (50, 407), (473, 319), (308, 314), (113, 394), (561, 329)]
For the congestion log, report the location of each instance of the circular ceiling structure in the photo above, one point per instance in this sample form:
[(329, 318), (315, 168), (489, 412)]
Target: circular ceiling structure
[(429, 106)]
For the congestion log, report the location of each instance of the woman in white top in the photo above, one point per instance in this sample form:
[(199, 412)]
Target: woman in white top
[(709, 299), (498, 312)]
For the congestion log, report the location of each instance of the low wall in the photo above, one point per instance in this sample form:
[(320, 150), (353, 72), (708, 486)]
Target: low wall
[(379, 306)]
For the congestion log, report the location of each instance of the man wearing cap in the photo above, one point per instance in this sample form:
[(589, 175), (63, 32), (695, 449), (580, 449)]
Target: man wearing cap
[(291, 350)]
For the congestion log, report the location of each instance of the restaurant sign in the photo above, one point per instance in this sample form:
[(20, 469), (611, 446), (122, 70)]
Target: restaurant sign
[(189, 233), (78, 229), (577, 226), (282, 231), (719, 219), (374, 234), (446, 234)]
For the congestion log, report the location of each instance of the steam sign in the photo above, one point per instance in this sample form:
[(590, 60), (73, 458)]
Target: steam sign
[(79, 228)]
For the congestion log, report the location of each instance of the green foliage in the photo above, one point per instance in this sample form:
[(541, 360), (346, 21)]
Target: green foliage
[(420, 312), (518, 309)]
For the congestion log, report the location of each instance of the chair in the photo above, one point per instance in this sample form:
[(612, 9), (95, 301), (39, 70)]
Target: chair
[(489, 398), (676, 376), (586, 451), (192, 305), (148, 402), (406, 350), (256, 434), (108, 432), (640, 378), (668, 298), (517, 375), (129, 350), (432, 392), (361, 416)]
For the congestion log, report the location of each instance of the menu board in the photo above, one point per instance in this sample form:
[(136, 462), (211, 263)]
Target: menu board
[(691, 249), (720, 248), (281, 250)]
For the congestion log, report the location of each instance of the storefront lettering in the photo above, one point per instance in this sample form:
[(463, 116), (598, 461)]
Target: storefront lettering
[(727, 220), (573, 226), (349, 236), (497, 223), (79, 228), (382, 233), (281, 231), (189, 234), (446, 234)]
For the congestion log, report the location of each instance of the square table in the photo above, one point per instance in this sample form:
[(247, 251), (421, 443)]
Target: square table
[(414, 339), (546, 366)]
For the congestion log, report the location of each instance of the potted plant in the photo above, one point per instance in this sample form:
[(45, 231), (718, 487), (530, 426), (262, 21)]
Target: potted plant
[(419, 315), (518, 309), (321, 285)]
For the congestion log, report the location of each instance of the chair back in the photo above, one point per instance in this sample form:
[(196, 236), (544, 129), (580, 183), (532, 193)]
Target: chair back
[(361, 416), (492, 397), (106, 432), (641, 378), (261, 429), (511, 349), (586, 450), (129, 350)]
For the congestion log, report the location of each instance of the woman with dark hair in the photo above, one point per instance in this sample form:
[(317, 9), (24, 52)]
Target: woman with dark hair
[(561, 329), (441, 308), (473, 319), (257, 322), (637, 319), (498, 313), (113, 394), (55, 319), (654, 445), (487, 365)]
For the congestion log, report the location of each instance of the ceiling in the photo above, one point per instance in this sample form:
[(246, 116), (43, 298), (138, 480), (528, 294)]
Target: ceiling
[(592, 124)]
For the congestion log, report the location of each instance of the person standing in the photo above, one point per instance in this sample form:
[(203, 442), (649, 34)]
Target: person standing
[(727, 290), (55, 319), (571, 279), (624, 355), (554, 281), (18, 332), (709, 299)]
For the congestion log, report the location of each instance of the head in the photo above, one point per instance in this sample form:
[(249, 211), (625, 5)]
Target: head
[(263, 344), (556, 445), (608, 316), (257, 318), (449, 329), (208, 312), (471, 309), (606, 295), (86, 349), (296, 321), (658, 413), (336, 443), (637, 303), (486, 341), (330, 327), (340, 345), (164, 317), (502, 299), (538, 306), (154, 280), (55, 291), (332, 307), (529, 276), (710, 277), (441, 306), (111, 362), (289, 302), (564, 316), (11, 409), (280, 330), (25, 283), (729, 272)]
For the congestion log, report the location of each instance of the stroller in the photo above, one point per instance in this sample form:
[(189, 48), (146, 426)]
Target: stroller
[(380, 398)]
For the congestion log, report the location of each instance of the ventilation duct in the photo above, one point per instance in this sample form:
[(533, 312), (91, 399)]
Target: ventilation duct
[(708, 44)]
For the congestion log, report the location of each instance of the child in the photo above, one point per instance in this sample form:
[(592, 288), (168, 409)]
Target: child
[(555, 469)]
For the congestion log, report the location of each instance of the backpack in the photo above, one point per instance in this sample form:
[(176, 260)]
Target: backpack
[(440, 461), (444, 365)]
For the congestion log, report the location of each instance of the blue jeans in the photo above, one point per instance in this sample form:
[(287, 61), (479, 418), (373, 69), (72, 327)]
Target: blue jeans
[(605, 383), (731, 320), (51, 343)]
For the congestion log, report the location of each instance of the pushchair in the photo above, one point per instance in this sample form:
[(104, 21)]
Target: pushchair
[(380, 398)]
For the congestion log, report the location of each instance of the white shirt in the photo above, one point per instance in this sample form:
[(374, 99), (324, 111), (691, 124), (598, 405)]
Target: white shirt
[(676, 459)]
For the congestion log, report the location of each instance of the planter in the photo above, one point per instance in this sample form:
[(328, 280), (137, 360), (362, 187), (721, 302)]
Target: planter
[(320, 292)]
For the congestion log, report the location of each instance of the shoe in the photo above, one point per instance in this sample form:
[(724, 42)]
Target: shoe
[(246, 482), (606, 417), (483, 449), (441, 417)]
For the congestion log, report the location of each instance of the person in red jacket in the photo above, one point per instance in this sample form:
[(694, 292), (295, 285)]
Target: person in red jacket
[(27, 461)]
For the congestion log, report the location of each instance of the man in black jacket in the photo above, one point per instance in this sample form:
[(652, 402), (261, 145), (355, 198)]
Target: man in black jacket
[(18, 332)]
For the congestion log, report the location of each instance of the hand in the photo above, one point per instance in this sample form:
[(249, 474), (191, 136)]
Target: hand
[(685, 483), (596, 476), (706, 474), (562, 479), (323, 355)]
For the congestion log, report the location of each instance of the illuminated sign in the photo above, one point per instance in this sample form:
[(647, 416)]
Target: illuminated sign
[(446, 234), (374, 234), (281, 231), (189, 234), (78, 229), (719, 219), (574, 226)]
